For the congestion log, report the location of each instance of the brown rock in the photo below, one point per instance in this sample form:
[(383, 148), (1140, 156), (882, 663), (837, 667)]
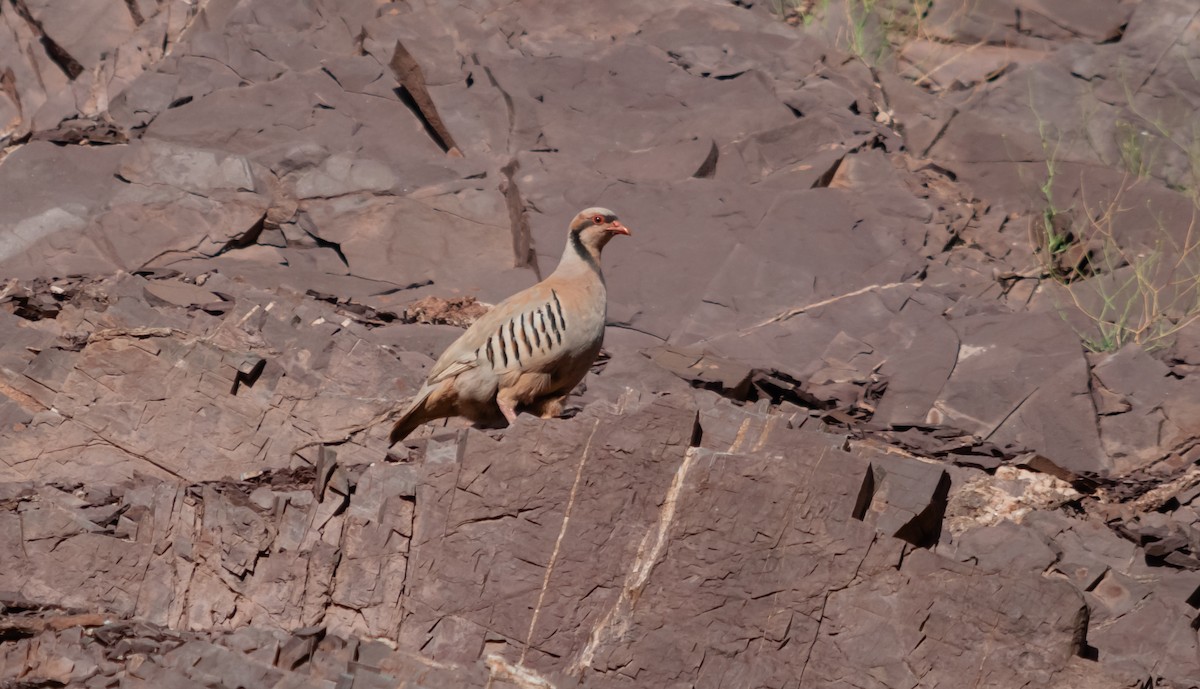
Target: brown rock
[(214, 215)]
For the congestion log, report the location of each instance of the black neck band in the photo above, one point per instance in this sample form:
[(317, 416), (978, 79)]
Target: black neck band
[(579, 248)]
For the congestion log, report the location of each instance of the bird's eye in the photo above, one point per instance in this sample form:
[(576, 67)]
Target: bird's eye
[(598, 219)]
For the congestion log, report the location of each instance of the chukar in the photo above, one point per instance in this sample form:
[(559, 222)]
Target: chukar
[(533, 348)]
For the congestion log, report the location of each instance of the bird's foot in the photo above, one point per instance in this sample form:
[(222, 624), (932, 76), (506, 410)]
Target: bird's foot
[(547, 407), (551, 409)]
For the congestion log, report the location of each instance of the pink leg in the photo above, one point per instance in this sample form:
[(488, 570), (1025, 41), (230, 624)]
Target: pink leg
[(508, 406)]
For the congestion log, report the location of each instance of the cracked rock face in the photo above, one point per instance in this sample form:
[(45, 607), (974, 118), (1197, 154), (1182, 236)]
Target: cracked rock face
[(897, 390)]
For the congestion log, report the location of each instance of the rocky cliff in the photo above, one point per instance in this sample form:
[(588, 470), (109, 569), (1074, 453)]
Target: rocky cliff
[(899, 387)]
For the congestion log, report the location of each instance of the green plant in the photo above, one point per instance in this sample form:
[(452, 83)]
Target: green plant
[(785, 8), (873, 28), (1142, 294), (904, 19), (859, 12), (800, 11), (815, 8), (1056, 235), (1132, 145), (877, 27)]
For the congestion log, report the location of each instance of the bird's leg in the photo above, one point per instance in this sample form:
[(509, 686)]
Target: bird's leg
[(508, 406), (510, 413)]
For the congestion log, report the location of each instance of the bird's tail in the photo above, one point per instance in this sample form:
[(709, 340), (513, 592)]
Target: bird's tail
[(411, 418)]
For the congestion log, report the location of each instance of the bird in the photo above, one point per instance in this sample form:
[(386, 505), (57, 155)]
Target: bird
[(531, 350)]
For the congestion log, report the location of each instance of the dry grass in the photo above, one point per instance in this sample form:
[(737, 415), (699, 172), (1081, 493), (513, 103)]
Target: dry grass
[(872, 30), (1142, 295)]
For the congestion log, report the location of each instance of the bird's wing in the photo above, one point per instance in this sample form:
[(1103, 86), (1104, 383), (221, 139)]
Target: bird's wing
[(451, 369), (468, 351)]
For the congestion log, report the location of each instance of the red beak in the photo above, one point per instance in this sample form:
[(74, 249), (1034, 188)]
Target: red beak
[(618, 228)]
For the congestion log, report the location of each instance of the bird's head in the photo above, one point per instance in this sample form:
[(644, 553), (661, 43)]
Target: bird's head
[(595, 226)]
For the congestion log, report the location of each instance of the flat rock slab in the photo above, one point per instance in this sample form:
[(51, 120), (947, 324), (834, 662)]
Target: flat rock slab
[(554, 552), (114, 400), (233, 551), (998, 392)]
